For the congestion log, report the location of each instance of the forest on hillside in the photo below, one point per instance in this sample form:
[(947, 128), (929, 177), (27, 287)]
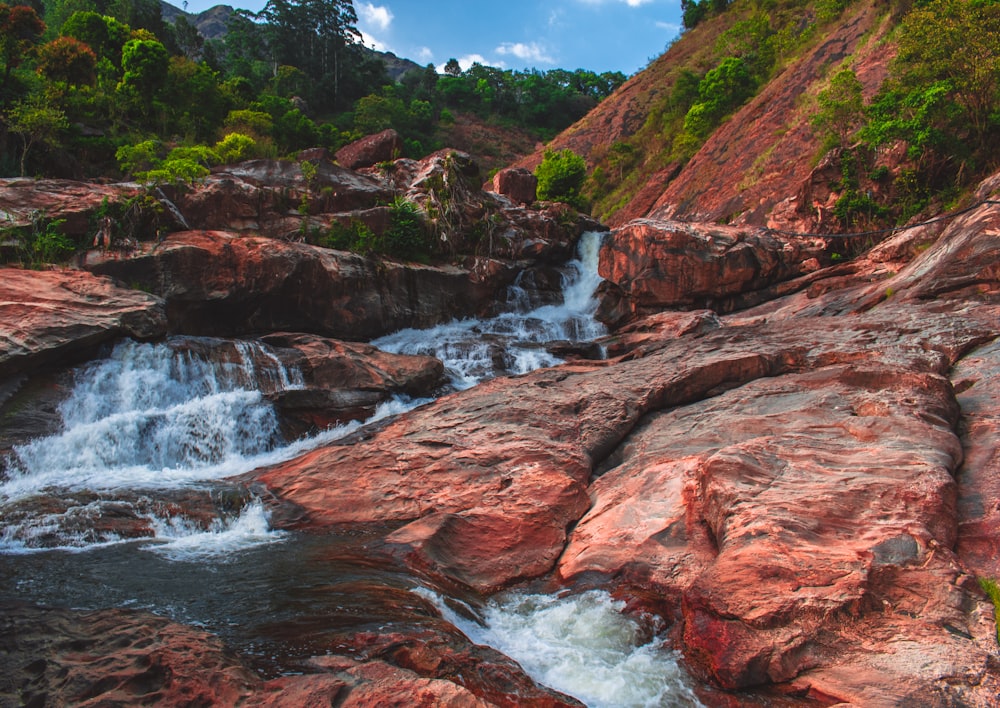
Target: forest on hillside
[(939, 106), (99, 88)]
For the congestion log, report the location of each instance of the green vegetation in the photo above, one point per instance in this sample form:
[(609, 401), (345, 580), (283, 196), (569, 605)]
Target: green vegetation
[(560, 176), (731, 50), (94, 78), (407, 237), (938, 104), (992, 590)]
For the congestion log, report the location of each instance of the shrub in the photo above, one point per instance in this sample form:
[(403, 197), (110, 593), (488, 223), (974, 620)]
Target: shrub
[(560, 177), (406, 237), (235, 147)]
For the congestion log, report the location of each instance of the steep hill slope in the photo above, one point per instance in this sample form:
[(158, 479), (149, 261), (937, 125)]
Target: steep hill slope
[(757, 166)]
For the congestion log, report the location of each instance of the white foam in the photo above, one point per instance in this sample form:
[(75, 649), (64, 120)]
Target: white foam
[(581, 645), (181, 540), (475, 350)]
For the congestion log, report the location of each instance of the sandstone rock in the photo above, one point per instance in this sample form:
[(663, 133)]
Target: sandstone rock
[(656, 265), (61, 315), (265, 196), (344, 381), (113, 658), (23, 199), (371, 150), (977, 386), (218, 284), (517, 184), (121, 658)]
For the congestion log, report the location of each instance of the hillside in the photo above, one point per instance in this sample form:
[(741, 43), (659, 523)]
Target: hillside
[(765, 163)]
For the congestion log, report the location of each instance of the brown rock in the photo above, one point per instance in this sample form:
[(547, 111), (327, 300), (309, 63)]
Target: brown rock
[(978, 385), (22, 200), (371, 150), (113, 658), (123, 658), (517, 184), (218, 284), (656, 265), (344, 381), (50, 315)]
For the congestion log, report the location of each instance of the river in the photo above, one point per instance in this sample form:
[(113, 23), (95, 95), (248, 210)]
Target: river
[(150, 436)]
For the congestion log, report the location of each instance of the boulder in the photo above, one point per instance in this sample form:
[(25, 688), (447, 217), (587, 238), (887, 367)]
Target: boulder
[(344, 381), (219, 284), (371, 150), (121, 658), (517, 184), (654, 265), (23, 200), (62, 315)]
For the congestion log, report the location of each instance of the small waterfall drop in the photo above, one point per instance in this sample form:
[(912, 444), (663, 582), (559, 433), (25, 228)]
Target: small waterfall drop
[(514, 342), (582, 645)]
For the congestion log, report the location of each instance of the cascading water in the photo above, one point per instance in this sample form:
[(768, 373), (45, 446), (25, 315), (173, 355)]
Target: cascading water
[(581, 645), (152, 424), (513, 342), (150, 418)]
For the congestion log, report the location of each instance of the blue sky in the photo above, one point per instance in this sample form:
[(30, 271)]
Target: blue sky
[(600, 35)]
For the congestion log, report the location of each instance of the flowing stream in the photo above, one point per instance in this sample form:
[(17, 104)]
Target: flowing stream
[(129, 505)]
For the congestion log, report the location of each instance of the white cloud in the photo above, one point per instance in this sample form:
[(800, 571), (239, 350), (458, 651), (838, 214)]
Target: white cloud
[(373, 43), (470, 59), (376, 17), (424, 55), (525, 52), (669, 26)]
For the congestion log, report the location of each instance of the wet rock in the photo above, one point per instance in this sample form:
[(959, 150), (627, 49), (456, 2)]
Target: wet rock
[(657, 265), (48, 316), (121, 658), (345, 381), (517, 184), (217, 283), (371, 150), (113, 658)]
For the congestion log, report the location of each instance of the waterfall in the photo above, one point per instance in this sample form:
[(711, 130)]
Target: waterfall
[(582, 645), (514, 342)]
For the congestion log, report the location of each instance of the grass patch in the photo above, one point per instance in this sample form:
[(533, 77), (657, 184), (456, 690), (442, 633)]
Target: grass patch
[(992, 590)]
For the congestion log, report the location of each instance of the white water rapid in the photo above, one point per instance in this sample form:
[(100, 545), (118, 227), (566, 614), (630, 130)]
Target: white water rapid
[(513, 342), (150, 418), (581, 645), (152, 431)]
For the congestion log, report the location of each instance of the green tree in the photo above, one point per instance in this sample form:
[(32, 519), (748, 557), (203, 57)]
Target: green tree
[(105, 35), (36, 123), (20, 29), (67, 60), (955, 43), (145, 66), (722, 90), (560, 177), (841, 109)]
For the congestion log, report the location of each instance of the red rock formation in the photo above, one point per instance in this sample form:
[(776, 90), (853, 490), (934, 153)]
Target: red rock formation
[(371, 150), (219, 284), (654, 265), (47, 316), (345, 381), (124, 658), (23, 199), (517, 184)]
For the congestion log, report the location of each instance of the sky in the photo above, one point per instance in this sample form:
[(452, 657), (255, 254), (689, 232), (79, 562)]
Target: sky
[(599, 35)]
